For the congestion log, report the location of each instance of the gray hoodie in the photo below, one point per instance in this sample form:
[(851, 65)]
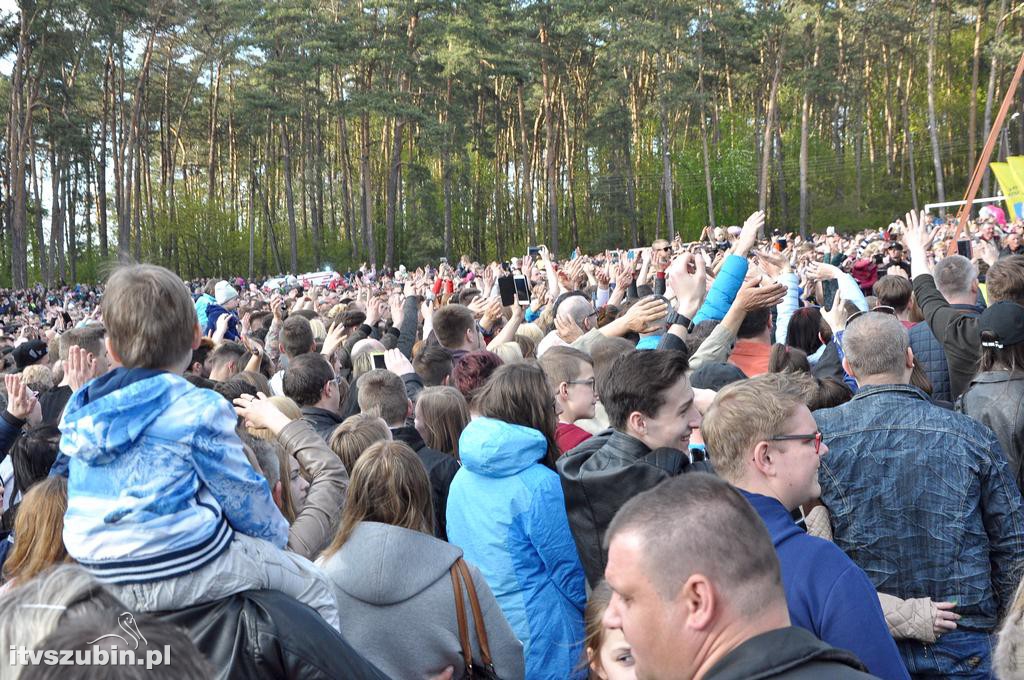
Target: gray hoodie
[(397, 605)]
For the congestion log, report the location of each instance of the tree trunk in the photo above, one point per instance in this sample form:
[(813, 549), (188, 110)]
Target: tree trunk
[(766, 150), (972, 109), (211, 159), (666, 165), (524, 151), (101, 169), (993, 75), (293, 236), (932, 122), (550, 143)]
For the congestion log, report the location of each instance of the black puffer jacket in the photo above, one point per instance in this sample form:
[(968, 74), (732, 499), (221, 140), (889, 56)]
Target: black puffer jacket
[(996, 399), (266, 634), (599, 476)]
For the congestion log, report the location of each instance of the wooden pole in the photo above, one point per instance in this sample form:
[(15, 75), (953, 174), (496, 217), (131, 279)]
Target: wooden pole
[(986, 153)]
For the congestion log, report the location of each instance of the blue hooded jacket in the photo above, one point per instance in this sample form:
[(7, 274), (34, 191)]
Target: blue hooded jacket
[(507, 513), (157, 479), (828, 594)]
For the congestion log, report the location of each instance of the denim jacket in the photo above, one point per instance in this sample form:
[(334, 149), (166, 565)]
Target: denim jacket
[(923, 500)]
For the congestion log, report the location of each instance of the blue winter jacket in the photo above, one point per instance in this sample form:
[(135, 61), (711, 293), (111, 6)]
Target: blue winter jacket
[(157, 480), (204, 301), (507, 513), (724, 289), (214, 312), (828, 594)]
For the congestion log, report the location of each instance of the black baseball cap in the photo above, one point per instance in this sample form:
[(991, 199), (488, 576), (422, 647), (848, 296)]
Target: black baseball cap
[(28, 353), (1002, 325)]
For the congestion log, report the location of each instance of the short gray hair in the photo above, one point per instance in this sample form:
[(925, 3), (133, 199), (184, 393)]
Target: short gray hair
[(954, 275), (876, 344), (30, 611), (698, 524)]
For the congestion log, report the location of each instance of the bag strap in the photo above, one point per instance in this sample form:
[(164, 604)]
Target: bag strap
[(460, 614), (478, 617)]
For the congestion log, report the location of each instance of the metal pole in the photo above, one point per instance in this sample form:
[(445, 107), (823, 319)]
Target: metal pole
[(986, 153)]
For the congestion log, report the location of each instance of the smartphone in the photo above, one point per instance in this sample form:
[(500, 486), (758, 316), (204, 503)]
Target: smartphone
[(533, 251), (378, 360), (444, 260), (522, 288), (830, 231), (630, 255), (507, 290), (963, 247), (615, 257)]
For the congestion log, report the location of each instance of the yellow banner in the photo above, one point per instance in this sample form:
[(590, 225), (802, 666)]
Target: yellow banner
[(1012, 188)]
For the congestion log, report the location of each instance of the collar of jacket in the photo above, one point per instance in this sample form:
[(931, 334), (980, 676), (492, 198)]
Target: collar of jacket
[(908, 390), (997, 377), (771, 654), (977, 309)]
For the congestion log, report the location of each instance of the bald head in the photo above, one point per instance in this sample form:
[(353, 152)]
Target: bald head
[(577, 308)]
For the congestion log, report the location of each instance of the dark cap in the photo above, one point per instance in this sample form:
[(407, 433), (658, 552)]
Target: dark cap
[(895, 245), (1003, 322), (28, 353), (716, 376)]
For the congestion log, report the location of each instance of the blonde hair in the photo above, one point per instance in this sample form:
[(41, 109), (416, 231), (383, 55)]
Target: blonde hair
[(319, 330), (283, 404), (442, 416), (38, 377), (150, 317), (531, 331), (510, 352), (355, 435), (389, 485), (38, 528), (745, 413)]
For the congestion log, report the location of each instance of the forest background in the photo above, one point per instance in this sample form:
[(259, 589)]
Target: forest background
[(240, 137)]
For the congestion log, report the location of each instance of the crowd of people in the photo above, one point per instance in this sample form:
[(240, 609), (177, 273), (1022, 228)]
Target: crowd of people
[(741, 457)]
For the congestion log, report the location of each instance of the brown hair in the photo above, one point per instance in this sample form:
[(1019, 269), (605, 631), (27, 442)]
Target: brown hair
[(443, 415), (39, 527), (562, 364), (520, 394), (745, 413), (355, 435), (1005, 280), (451, 323), (893, 291), (285, 406), (149, 315), (382, 393), (593, 626), (786, 359), (389, 485), (89, 338)]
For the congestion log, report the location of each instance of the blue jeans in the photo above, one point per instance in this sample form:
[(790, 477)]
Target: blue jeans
[(959, 654)]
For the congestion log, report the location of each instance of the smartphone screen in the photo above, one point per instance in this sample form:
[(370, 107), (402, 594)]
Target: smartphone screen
[(378, 360), (522, 288), (963, 247), (533, 251), (507, 290)]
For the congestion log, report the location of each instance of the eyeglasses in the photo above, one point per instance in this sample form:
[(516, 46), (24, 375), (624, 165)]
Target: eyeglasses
[(816, 436), (881, 309), (591, 383)]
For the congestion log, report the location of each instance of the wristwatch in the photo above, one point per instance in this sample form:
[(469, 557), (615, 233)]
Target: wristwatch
[(675, 318)]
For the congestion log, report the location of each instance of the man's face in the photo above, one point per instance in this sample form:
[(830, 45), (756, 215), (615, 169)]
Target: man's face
[(677, 417), (102, 361), (796, 461), (987, 231), (231, 304), (1013, 241), (653, 626), (895, 254), (581, 394)]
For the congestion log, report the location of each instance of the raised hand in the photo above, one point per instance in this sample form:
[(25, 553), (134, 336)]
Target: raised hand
[(646, 316), (260, 412), (748, 236), (397, 363), (689, 287), (80, 367), (757, 294), (20, 399)]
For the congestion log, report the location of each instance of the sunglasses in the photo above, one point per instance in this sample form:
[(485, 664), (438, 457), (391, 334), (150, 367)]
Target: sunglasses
[(881, 309), (816, 436)]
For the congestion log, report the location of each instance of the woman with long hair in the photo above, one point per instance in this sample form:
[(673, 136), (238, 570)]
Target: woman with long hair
[(996, 392), (386, 526), (441, 415), (38, 530), (507, 512), (606, 652)]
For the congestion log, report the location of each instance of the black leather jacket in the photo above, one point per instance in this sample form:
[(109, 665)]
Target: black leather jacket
[(266, 634), (996, 399), (599, 476)]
